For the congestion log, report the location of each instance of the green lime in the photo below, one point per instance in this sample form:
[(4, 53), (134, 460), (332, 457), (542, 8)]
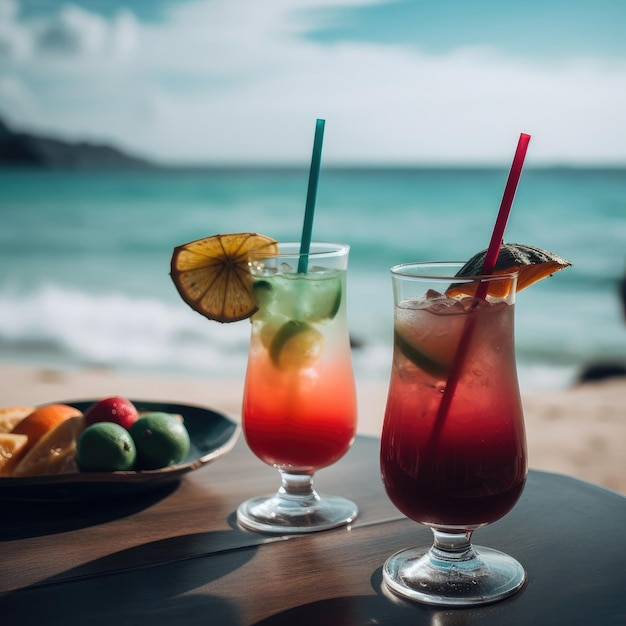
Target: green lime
[(419, 358), (296, 345), (105, 447), (314, 297), (322, 298), (161, 440), (269, 327), (262, 291)]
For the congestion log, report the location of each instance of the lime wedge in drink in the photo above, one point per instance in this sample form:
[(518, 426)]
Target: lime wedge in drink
[(428, 340), (321, 299), (425, 362), (270, 325), (315, 298), (274, 296), (262, 291), (296, 345)]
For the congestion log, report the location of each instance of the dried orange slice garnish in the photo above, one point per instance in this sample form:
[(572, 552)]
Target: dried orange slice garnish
[(532, 263), (212, 274)]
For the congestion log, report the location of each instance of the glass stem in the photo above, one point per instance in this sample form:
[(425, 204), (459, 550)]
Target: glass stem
[(452, 547), (297, 487)]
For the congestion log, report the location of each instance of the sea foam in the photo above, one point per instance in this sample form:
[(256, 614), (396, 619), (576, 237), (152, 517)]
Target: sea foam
[(117, 331)]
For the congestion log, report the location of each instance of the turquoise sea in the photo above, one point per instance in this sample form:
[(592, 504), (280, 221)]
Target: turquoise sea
[(84, 259)]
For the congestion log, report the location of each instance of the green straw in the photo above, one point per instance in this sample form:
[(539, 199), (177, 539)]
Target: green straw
[(314, 176)]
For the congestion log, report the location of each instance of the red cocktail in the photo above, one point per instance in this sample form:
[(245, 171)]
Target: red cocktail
[(462, 468)]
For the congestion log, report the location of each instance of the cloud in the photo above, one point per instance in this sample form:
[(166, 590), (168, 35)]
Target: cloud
[(232, 80), (15, 42), (73, 32)]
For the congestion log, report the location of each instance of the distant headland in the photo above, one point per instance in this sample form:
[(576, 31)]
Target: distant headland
[(21, 149)]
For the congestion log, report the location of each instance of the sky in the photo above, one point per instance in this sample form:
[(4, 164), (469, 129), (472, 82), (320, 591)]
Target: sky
[(397, 81)]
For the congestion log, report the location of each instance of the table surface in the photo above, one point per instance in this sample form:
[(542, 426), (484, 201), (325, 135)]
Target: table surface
[(178, 557)]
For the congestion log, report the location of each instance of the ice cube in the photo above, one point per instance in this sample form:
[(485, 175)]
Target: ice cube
[(447, 306), (433, 294)]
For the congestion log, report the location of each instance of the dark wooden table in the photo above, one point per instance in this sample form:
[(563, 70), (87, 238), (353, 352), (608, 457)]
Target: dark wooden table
[(178, 557)]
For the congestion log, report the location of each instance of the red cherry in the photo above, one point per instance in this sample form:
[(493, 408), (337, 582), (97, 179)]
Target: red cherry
[(115, 409)]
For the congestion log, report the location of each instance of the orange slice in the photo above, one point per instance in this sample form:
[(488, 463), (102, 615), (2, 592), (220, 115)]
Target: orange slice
[(11, 415), (532, 263), (11, 449), (42, 420), (212, 274), (55, 452)]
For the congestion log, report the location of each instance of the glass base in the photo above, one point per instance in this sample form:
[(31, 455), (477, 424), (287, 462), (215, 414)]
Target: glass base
[(482, 576), (281, 514)]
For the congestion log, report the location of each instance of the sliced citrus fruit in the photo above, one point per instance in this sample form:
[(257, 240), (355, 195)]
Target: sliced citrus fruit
[(269, 327), (316, 298), (421, 359), (11, 449), (296, 345), (322, 298), (42, 420), (428, 340), (11, 415), (532, 263), (212, 274), (263, 291), (55, 452)]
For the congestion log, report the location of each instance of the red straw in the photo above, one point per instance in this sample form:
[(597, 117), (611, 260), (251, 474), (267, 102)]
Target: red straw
[(488, 267), (503, 214)]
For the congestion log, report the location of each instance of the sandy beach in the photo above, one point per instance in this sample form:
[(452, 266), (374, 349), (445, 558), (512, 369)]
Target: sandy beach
[(580, 431)]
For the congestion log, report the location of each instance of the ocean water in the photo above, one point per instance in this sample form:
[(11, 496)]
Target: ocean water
[(84, 259)]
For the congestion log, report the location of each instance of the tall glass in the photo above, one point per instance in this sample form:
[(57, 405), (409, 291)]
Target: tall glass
[(455, 461), (299, 407)]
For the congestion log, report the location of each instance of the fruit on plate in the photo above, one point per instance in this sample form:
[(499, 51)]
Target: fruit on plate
[(115, 409), (55, 452), (105, 447), (161, 440), (11, 415), (43, 420), (58, 439), (11, 449)]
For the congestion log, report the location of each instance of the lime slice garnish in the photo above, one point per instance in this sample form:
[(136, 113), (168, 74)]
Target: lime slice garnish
[(425, 362), (297, 344)]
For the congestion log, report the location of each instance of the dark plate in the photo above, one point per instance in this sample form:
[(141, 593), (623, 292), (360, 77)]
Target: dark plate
[(212, 436)]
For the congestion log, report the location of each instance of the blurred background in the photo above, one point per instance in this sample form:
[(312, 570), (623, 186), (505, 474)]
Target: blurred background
[(128, 128)]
